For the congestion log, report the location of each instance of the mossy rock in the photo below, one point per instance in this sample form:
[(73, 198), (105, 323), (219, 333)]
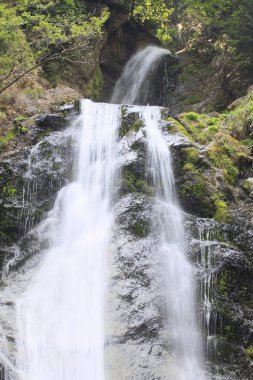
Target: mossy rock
[(201, 127), (141, 228), (93, 89), (249, 352), (131, 182), (130, 121), (229, 155), (194, 156), (248, 186), (175, 127), (193, 191)]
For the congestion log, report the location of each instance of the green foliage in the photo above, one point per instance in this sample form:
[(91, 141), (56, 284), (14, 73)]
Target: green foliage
[(9, 191), (15, 53), (141, 228), (144, 187), (222, 213), (33, 32), (247, 142), (175, 127), (192, 116), (223, 283), (133, 184), (201, 126), (19, 128), (156, 14), (221, 16), (238, 121), (10, 135), (249, 352), (192, 155), (129, 125), (226, 153), (247, 186), (94, 88), (194, 184)]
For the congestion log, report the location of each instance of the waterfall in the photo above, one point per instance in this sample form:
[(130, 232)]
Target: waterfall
[(132, 86), (61, 315), (137, 81), (178, 271)]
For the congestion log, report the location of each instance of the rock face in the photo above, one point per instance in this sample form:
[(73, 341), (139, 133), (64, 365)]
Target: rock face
[(137, 338), (31, 173)]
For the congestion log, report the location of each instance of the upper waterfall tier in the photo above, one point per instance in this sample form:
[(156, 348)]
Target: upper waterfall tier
[(140, 81)]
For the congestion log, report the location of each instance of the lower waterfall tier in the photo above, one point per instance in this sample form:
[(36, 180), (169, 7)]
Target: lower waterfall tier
[(138, 340)]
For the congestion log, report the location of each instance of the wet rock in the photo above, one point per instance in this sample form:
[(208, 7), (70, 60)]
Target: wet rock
[(54, 121), (30, 178), (225, 273)]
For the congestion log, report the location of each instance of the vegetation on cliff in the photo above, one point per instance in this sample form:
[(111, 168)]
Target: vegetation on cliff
[(34, 33)]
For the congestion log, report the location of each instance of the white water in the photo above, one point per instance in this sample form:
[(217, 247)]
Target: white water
[(178, 271), (131, 87), (61, 315), (134, 85)]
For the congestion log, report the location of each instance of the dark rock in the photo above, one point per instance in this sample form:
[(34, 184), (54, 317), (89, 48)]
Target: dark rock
[(54, 121)]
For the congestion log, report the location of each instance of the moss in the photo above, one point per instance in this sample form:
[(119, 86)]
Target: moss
[(200, 126), (191, 116), (247, 142), (195, 187), (34, 93), (227, 153), (189, 167), (94, 87), (141, 228), (194, 184), (10, 135), (9, 191), (19, 127), (137, 125), (212, 121), (124, 128), (143, 186), (249, 352), (129, 122), (133, 184), (223, 283), (192, 154), (213, 129), (98, 81), (238, 120), (222, 213), (3, 117), (175, 127), (228, 331), (247, 186)]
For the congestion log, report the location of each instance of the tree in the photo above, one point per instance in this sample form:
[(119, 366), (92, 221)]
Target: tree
[(33, 32), (156, 14)]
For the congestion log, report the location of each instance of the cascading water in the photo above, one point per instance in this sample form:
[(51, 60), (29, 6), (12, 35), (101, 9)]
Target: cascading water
[(131, 87), (137, 82), (61, 315), (178, 271)]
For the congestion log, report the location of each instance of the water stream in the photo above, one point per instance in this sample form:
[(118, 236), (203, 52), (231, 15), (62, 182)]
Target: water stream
[(137, 82), (61, 315), (179, 281)]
